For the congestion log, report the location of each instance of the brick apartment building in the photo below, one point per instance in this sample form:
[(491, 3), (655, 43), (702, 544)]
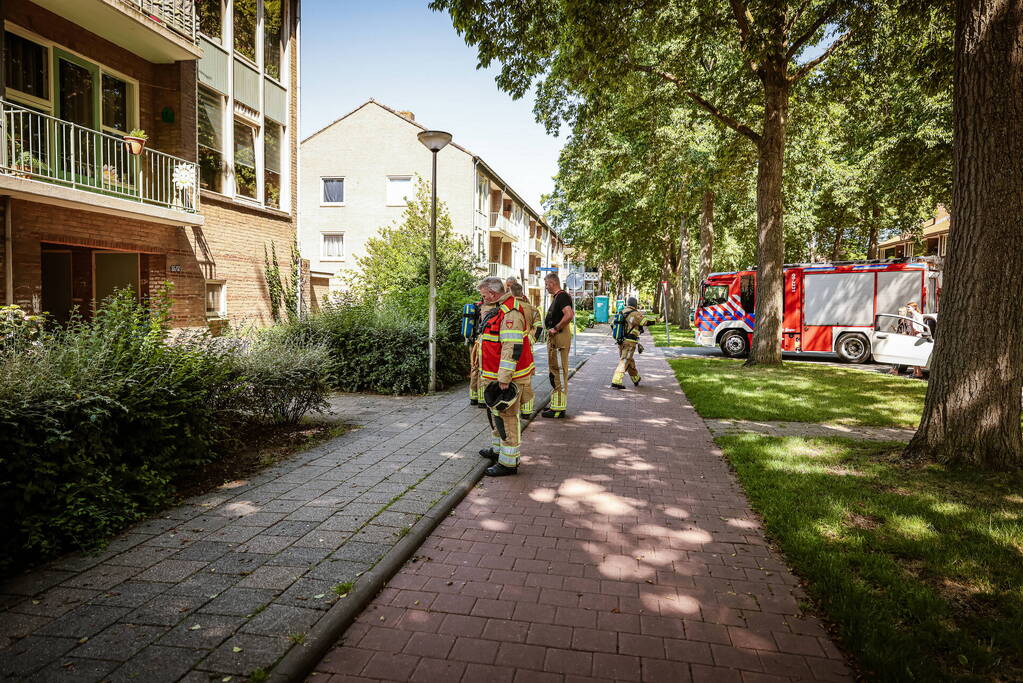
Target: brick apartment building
[(214, 85), (932, 239)]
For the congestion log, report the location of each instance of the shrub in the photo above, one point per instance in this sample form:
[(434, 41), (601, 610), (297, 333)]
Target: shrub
[(284, 378)]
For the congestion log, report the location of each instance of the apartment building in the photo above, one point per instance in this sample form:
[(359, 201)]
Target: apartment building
[(359, 171), (932, 240), (213, 83)]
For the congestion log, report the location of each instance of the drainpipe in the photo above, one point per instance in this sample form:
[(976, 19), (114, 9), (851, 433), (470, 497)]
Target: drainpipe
[(8, 253)]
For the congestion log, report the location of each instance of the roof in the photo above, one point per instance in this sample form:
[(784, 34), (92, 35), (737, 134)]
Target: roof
[(939, 225), (476, 158)]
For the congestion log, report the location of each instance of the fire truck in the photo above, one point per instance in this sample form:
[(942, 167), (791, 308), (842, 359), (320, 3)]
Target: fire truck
[(828, 307)]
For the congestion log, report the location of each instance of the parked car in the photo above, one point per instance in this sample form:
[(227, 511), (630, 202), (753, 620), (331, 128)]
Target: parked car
[(900, 340)]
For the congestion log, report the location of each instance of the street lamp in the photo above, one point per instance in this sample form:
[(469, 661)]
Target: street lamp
[(435, 141)]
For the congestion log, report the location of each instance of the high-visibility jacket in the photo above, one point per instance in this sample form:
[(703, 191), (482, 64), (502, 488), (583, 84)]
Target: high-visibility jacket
[(507, 353)]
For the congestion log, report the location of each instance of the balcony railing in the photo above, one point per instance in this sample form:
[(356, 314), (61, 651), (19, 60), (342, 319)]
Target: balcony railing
[(534, 280), (502, 271), (45, 148), (535, 245), (499, 222), (177, 15)]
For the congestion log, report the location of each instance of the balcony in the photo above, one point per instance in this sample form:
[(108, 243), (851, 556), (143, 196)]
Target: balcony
[(534, 280), (499, 223), (54, 161), (535, 246), (502, 271), (160, 31)]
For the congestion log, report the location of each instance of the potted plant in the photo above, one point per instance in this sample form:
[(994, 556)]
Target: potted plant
[(135, 141)]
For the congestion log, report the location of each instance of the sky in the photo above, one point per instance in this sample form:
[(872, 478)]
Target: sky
[(409, 58)]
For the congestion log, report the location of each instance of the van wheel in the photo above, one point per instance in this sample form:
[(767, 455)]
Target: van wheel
[(734, 344), (853, 348)]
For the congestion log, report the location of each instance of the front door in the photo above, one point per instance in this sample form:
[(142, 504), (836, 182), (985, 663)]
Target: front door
[(78, 103), (56, 281), (114, 270)]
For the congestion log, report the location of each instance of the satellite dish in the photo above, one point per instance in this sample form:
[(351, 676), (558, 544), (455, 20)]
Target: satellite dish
[(574, 281)]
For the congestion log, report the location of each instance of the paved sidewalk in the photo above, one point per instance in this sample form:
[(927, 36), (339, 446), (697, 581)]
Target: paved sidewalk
[(226, 583), (623, 550), (808, 429)]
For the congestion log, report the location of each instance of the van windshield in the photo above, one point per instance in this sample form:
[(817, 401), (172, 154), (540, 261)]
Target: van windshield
[(714, 295)]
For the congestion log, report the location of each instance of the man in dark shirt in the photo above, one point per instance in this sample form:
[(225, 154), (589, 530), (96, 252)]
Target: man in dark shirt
[(558, 322)]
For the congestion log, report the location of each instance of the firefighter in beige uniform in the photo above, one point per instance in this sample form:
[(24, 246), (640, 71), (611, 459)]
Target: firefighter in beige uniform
[(475, 386), (506, 364), (532, 317), (558, 322), (627, 350)]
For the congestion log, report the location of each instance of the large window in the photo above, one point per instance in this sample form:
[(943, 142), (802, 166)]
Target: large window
[(26, 66), (333, 191), (714, 295), (273, 25), (115, 104), (747, 293), (272, 165), (399, 190), (211, 19), (333, 246), (244, 159), (211, 140), (245, 28)]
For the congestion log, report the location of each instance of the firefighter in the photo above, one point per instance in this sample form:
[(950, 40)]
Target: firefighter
[(475, 386), (506, 361), (559, 317), (531, 315), (631, 321)]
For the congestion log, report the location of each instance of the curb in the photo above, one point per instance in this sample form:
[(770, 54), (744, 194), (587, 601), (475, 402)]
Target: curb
[(300, 660)]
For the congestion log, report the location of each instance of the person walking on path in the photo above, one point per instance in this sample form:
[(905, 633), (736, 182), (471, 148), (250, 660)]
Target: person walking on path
[(531, 315), (506, 357), (559, 339), (475, 386), (631, 322)]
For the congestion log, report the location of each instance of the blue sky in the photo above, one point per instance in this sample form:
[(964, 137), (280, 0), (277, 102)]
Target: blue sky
[(407, 57)]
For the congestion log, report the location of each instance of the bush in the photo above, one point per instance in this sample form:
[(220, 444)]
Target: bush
[(284, 378)]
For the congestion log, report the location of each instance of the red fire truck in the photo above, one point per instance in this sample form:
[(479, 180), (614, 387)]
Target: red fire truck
[(828, 307)]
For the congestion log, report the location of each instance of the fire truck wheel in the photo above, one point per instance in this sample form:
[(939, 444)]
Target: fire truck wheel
[(853, 348), (734, 344)]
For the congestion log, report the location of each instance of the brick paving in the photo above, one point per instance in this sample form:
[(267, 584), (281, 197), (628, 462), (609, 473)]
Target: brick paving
[(623, 550), (807, 429), (226, 583)]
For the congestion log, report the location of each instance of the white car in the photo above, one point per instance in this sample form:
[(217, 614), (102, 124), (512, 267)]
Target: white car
[(899, 340)]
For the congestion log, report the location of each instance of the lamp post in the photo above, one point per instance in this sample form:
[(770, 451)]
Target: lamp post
[(435, 141)]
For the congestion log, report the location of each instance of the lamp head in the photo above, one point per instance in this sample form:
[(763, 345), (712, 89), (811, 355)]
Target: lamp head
[(434, 140)]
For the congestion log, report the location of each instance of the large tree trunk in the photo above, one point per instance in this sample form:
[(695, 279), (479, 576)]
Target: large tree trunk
[(682, 279), (766, 348), (836, 246), (875, 216), (706, 234), (972, 411)]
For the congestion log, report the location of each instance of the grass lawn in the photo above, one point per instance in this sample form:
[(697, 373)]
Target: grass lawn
[(679, 337), (799, 392), (919, 567)]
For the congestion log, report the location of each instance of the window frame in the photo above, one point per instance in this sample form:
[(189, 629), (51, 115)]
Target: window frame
[(222, 312), (344, 190), (387, 187), (217, 40), (223, 135), (257, 132), (323, 244)]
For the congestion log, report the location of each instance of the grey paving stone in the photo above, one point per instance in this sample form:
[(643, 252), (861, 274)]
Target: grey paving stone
[(256, 652), (166, 610), (30, 654), (383, 535), (54, 602), (35, 582), (142, 557), (204, 584), (410, 507), (310, 593), (233, 533), (156, 525), (213, 630), (277, 578), (267, 545), (342, 522), (261, 519), (354, 551), (392, 518), (206, 551), (204, 524), (280, 505), (84, 621), (296, 556), (130, 594), (339, 571), (172, 570), (240, 601), (158, 664), (119, 641), (308, 513), (322, 539), (293, 528), (278, 620), (72, 670), (238, 563), (173, 539)]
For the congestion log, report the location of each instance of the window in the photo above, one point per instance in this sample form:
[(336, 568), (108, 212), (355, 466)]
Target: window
[(714, 295), (273, 21), (333, 191), (211, 19), (747, 293), (333, 246), (399, 190), (211, 140), (244, 159), (216, 301), (115, 103), (245, 28), (26, 66), (272, 165)]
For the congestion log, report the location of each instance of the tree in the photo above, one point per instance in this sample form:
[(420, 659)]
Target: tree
[(972, 409)]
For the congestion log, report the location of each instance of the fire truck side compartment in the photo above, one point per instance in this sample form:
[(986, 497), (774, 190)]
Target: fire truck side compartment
[(895, 288), (845, 299)]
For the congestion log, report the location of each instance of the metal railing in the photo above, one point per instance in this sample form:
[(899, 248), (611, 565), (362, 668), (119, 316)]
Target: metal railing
[(41, 147), (502, 271), (536, 245), (499, 222), (177, 15)]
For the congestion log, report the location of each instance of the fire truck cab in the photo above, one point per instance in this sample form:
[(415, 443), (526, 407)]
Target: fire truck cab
[(828, 307)]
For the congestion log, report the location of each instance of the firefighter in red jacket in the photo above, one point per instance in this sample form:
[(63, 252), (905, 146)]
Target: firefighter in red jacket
[(506, 365)]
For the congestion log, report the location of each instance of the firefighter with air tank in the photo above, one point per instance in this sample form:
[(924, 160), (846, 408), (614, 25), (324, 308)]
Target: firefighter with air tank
[(506, 368), (532, 317), (626, 328)]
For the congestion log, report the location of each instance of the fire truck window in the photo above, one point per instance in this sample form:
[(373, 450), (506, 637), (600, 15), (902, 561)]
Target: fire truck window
[(747, 294), (714, 295)]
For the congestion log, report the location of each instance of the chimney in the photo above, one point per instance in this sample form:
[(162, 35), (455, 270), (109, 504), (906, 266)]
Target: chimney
[(408, 115)]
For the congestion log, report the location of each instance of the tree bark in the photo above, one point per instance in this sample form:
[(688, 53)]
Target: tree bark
[(766, 348), (836, 247), (684, 268), (972, 410), (706, 234), (875, 215)]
